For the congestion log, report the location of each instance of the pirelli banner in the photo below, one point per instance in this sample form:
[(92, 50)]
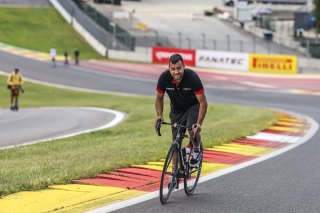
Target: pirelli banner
[(275, 64), (222, 60)]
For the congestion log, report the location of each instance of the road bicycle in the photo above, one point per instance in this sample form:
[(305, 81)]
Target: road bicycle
[(177, 156)]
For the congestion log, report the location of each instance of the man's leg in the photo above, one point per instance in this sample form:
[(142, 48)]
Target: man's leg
[(175, 117), (16, 93), (16, 107), (12, 99), (196, 142), (192, 117)]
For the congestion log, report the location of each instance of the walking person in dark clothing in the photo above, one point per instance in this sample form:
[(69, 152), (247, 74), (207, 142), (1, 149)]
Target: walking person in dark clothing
[(66, 61), (76, 56)]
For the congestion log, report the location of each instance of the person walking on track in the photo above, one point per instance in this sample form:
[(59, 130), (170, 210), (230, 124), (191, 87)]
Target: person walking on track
[(15, 82)]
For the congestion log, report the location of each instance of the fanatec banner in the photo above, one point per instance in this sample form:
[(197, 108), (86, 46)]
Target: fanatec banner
[(222, 60)]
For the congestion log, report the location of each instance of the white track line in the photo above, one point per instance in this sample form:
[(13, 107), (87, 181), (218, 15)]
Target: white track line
[(259, 85), (275, 137)]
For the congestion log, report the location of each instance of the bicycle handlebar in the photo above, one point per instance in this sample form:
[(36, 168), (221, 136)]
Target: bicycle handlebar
[(175, 125)]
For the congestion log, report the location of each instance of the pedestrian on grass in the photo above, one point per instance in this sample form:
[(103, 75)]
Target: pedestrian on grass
[(15, 82)]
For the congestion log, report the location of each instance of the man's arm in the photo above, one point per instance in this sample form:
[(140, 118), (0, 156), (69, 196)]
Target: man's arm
[(21, 82), (9, 79), (159, 106), (203, 108), (20, 79)]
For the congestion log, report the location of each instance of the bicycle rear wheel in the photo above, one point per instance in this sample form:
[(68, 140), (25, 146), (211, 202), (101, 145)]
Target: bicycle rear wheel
[(193, 174), (169, 177)]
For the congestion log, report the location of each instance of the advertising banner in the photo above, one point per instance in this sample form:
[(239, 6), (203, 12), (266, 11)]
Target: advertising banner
[(275, 64), (222, 60), (162, 54)]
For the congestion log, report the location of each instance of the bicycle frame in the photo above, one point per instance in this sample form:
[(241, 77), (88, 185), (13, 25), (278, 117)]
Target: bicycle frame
[(178, 141)]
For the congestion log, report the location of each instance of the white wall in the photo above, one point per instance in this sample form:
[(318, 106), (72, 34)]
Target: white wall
[(141, 54), (94, 43)]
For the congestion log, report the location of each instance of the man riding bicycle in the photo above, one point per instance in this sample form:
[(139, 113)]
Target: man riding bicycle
[(15, 82), (187, 100)]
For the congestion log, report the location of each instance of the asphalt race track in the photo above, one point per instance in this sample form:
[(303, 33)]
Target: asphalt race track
[(40, 124), (287, 183)]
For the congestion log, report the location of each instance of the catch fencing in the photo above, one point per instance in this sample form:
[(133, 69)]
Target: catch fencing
[(106, 32)]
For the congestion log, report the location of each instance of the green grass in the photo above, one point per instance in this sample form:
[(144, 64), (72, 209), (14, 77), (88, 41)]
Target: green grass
[(134, 141), (41, 29)]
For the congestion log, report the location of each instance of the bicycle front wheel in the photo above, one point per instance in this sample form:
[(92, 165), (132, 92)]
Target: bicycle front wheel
[(169, 174), (192, 175)]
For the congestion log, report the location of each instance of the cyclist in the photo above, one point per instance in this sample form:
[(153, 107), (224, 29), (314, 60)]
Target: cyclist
[(187, 100), (15, 82)]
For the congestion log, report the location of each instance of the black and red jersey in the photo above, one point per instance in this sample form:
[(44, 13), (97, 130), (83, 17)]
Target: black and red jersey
[(183, 95)]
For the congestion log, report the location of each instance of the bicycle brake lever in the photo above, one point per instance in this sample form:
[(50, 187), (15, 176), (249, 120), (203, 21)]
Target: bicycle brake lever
[(158, 128)]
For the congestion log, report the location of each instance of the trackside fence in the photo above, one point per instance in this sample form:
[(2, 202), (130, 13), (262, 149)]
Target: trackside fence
[(104, 31)]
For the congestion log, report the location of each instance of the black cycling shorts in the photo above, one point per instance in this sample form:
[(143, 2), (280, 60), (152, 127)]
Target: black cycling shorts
[(186, 118)]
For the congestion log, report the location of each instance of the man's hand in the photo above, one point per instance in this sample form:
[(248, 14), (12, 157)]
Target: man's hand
[(196, 128), (158, 125), (159, 119)]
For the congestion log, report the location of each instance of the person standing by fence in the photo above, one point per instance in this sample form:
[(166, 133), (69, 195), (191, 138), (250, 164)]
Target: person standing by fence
[(15, 82)]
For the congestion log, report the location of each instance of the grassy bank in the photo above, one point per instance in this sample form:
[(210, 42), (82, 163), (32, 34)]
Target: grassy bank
[(41, 29), (134, 141)]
